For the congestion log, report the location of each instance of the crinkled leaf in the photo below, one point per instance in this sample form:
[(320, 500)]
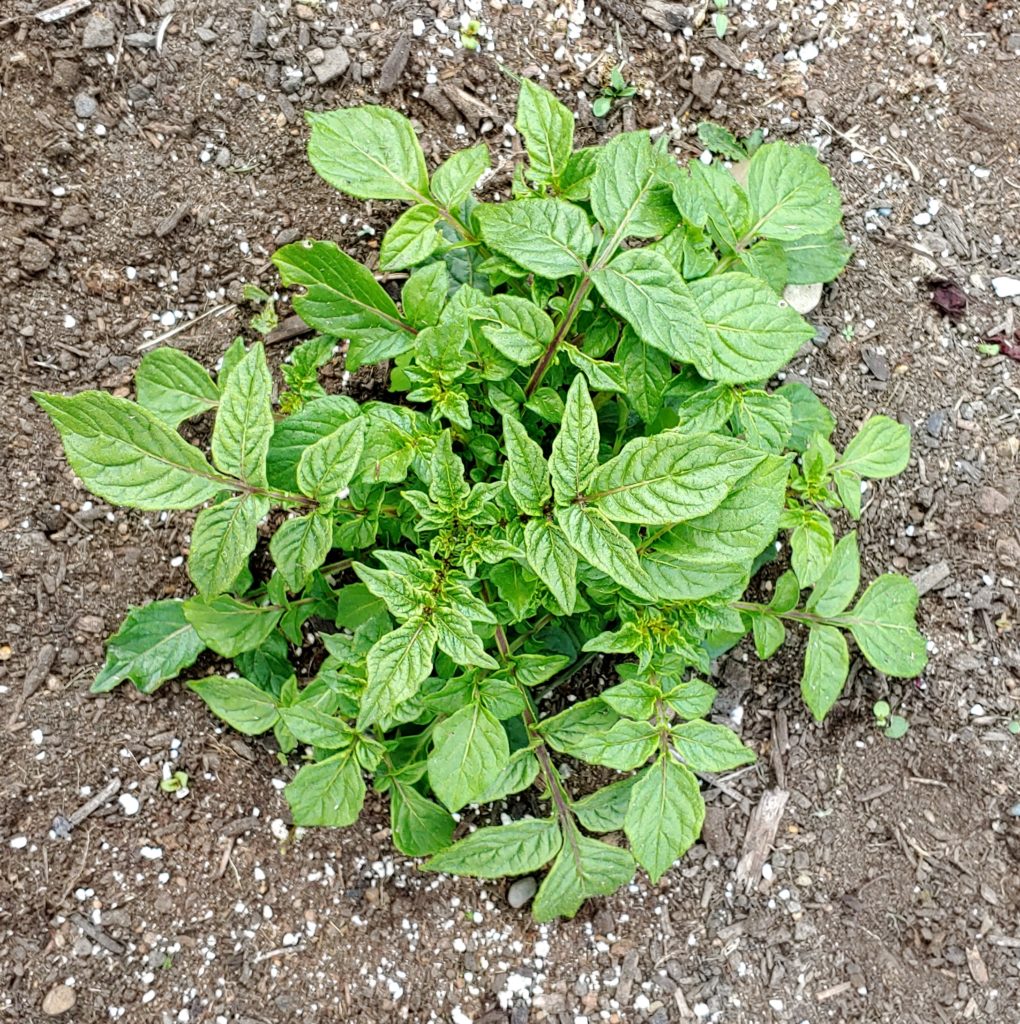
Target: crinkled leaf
[(575, 450), (456, 637), (601, 375), (328, 465), (222, 539), (514, 326), (591, 534), (244, 420), (171, 385), (300, 546), (647, 372), (291, 436), (549, 237), (398, 664), (527, 474), (470, 749), (553, 560)]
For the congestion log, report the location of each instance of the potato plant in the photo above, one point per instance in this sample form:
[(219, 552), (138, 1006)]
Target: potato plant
[(580, 451)]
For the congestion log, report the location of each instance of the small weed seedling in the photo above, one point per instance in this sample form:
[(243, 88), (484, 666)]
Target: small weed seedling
[(894, 726), (720, 20), (618, 89), (580, 453)]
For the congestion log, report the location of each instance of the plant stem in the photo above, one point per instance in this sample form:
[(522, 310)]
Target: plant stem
[(581, 289)]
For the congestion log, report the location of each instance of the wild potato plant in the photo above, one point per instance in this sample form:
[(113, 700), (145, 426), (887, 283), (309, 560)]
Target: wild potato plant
[(580, 452)]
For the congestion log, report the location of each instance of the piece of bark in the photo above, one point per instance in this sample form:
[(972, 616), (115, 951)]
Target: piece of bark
[(761, 833), (670, 17), (393, 66)]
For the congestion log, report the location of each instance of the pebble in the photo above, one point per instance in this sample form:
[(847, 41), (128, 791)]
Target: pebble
[(140, 40), (98, 33), (1006, 287), (58, 1000), (333, 64), (521, 892), (19, 842), (129, 804), (992, 502), (875, 362), (35, 256), (808, 52), (85, 105), (205, 35), (803, 297)]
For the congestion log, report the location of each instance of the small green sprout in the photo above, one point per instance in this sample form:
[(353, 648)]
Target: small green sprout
[(175, 783), (894, 726), (720, 21), (618, 89)]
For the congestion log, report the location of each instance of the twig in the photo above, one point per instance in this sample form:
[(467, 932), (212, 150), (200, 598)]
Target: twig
[(186, 325)]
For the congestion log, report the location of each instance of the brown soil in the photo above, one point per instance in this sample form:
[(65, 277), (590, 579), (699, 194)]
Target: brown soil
[(892, 892)]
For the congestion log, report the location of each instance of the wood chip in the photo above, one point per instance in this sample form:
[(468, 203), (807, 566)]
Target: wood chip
[(58, 12), (978, 970), (393, 66), (171, 220), (931, 576), (110, 790), (86, 927), (831, 993), (761, 833)]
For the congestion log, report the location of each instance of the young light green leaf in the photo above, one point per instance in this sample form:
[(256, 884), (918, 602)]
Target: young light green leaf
[(548, 130), (751, 333), (244, 420), (629, 195), (549, 237), (329, 464), (153, 644), (809, 415), (329, 793), (721, 140), (575, 449), (826, 663), (515, 849), (402, 597), (670, 477), (222, 539), (172, 386), (420, 827), (368, 152), (664, 816), (881, 448), (769, 634), (791, 193), (291, 436), (606, 808), (229, 626), (710, 748), (342, 295), (300, 546), (839, 580), (398, 663), (469, 750), (456, 636), (310, 725), (447, 488), (599, 542), (127, 456), (527, 475), (242, 705), (454, 179), (516, 327), (575, 181), (642, 286), (411, 239), (585, 867), (601, 375), (553, 560), (647, 371), (811, 543), (882, 623)]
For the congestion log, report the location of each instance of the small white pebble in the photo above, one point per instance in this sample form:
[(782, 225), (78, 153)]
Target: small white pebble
[(69, 321), (19, 842), (152, 852), (129, 803), (36, 736)]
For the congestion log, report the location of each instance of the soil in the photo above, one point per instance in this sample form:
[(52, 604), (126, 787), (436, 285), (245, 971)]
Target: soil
[(141, 185)]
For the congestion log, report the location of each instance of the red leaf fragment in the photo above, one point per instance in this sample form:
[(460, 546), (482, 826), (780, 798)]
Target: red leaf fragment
[(949, 298)]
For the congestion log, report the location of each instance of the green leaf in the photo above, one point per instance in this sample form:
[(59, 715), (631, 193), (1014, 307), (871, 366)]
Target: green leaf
[(519, 773), (300, 546), (420, 827), (624, 746), (642, 286), (826, 663), (765, 420), (809, 417), (469, 751), (725, 203), (883, 625), (548, 130), (127, 456), (605, 809), (669, 477), (411, 239), (553, 561), (811, 543), (599, 542), (692, 698), (769, 634), (456, 636), (575, 450), (575, 181), (341, 295), (720, 140), (585, 867), (447, 488), (173, 387), (328, 465), (242, 705), (517, 328), (455, 178), (424, 294), (601, 375), (153, 644), (310, 725), (398, 663), (633, 698), (549, 237), (229, 626), (751, 333), (244, 420), (881, 448), (396, 589), (647, 372), (294, 434), (515, 849), (527, 475), (369, 153), (629, 196), (664, 816), (839, 580), (766, 259), (813, 259), (710, 748), (791, 193), (329, 793), (222, 539)]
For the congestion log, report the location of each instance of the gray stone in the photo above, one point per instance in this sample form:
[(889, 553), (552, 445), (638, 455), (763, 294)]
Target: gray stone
[(98, 32), (58, 1000), (140, 40), (85, 105), (1013, 42), (35, 256), (803, 297), (521, 891), (206, 35), (705, 84), (992, 502), (259, 30), (334, 63)]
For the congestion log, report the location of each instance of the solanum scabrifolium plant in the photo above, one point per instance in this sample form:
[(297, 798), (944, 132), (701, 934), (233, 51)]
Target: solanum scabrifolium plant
[(581, 452)]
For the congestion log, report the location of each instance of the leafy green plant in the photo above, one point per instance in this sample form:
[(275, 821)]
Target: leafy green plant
[(616, 90), (581, 454), (894, 726), (720, 20)]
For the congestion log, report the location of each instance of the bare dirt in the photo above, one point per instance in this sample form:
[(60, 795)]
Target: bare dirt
[(140, 186)]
